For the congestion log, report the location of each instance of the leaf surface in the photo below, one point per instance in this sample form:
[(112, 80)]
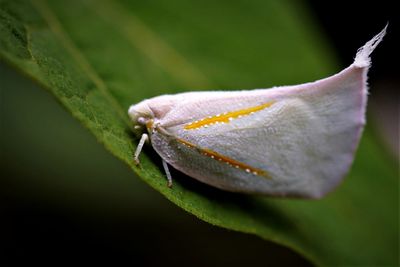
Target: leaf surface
[(99, 57)]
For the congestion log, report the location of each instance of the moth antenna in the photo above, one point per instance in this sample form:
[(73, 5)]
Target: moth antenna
[(167, 173), (143, 139)]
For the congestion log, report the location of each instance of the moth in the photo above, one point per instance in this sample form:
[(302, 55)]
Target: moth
[(293, 141)]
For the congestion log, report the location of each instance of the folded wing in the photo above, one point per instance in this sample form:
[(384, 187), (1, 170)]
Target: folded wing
[(303, 137)]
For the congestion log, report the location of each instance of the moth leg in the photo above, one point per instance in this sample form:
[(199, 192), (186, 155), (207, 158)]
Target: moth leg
[(166, 169), (143, 139)]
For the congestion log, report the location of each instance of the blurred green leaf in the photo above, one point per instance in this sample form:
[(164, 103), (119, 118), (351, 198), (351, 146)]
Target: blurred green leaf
[(98, 57)]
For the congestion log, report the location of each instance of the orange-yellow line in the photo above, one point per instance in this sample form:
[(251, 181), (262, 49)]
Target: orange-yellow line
[(226, 117), (223, 159)]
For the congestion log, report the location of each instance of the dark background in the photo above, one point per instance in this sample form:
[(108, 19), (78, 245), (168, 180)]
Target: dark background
[(62, 223), (338, 19)]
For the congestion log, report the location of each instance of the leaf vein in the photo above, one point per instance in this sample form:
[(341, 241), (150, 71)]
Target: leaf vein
[(152, 45)]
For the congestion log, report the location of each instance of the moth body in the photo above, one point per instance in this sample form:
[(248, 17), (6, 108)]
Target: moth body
[(285, 141)]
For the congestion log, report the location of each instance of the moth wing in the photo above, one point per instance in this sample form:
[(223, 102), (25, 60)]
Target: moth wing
[(292, 141)]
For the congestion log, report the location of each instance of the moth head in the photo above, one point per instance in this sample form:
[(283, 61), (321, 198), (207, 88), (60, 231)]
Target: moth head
[(141, 115)]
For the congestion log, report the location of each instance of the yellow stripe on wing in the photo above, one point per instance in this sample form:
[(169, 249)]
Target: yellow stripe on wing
[(226, 117), (223, 159)]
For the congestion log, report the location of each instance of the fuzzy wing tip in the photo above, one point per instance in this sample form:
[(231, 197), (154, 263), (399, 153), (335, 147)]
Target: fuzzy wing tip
[(363, 59)]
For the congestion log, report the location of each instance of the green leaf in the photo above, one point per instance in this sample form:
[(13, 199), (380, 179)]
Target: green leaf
[(99, 57)]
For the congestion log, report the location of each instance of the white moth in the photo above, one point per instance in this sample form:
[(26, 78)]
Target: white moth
[(285, 141)]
